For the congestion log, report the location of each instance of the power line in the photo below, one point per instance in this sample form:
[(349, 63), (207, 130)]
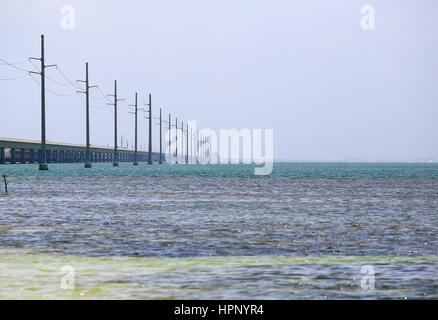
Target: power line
[(68, 82), (67, 79), (102, 107), (14, 63), (16, 78), (11, 65), (50, 79), (103, 94), (50, 91), (97, 98), (57, 82), (36, 67)]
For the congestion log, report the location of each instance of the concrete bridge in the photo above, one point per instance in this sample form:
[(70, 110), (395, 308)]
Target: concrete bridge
[(29, 151)]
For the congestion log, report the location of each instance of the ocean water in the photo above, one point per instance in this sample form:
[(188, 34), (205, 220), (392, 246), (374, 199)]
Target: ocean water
[(308, 231)]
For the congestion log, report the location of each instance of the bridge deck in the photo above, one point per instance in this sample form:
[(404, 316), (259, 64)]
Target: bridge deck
[(15, 150)]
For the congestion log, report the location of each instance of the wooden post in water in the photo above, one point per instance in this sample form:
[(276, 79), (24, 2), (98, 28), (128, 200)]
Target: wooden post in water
[(6, 183)]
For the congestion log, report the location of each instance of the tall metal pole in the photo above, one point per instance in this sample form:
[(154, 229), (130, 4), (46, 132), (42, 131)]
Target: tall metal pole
[(136, 112), (87, 111), (43, 164), (150, 130), (161, 141), (116, 156), (87, 116)]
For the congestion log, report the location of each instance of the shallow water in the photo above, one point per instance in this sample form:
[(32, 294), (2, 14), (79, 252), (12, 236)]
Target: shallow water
[(187, 231)]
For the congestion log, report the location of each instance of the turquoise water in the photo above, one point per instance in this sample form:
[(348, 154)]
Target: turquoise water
[(219, 231)]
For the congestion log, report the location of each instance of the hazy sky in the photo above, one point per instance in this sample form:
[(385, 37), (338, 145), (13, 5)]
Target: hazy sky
[(328, 88)]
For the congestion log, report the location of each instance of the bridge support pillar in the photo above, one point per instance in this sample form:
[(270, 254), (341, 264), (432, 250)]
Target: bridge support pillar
[(13, 159), (2, 156), (31, 156), (23, 155)]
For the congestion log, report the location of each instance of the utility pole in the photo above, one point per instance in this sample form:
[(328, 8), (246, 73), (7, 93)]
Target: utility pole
[(150, 130), (87, 116), (135, 144), (43, 164), (116, 156), (150, 127)]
